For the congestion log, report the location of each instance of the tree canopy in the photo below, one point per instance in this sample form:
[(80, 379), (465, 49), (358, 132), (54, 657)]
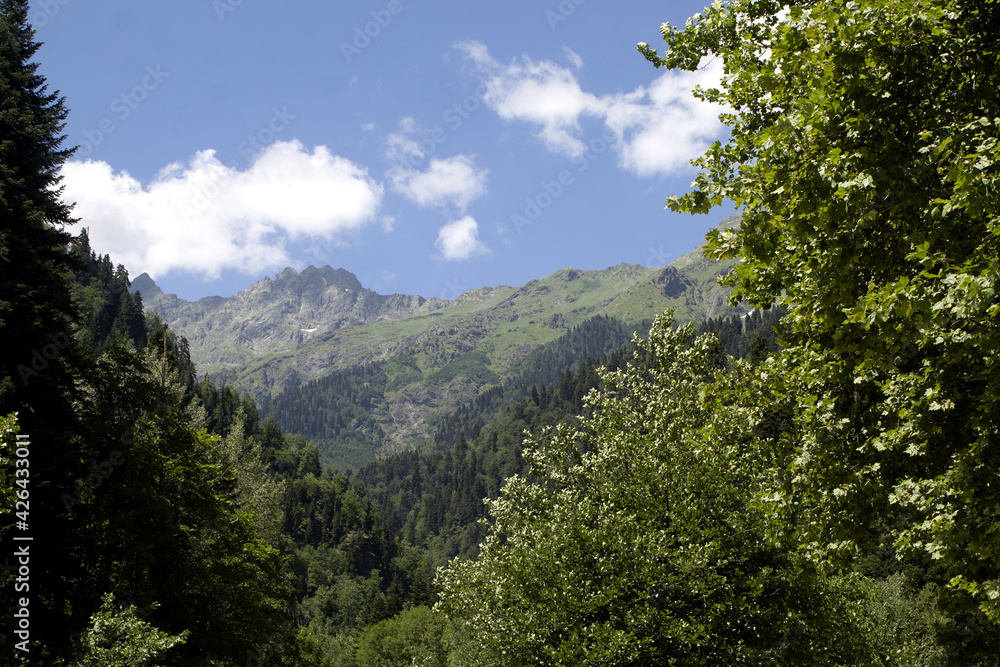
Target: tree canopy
[(636, 538), (820, 493), (864, 153)]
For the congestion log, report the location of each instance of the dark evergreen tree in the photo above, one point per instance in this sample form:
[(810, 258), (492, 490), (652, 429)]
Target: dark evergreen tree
[(109, 313), (39, 361)]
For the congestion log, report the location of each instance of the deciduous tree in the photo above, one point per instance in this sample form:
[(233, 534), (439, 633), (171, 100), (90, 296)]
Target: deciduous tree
[(865, 153), (636, 539)]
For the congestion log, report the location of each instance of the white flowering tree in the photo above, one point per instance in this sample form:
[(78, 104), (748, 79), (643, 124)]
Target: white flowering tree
[(636, 539), (118, 637)]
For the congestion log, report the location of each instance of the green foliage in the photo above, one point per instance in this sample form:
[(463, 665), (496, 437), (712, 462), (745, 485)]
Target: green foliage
[(256, 492), (118, 637), (635, 542), (864, 148), (903, 625), (472, 366), (335, 411), (176, 519), (109, 314), (401, 370), (8, 473), (415, 637)]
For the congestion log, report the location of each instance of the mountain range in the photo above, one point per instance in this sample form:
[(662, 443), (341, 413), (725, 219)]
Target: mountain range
[(298, 327)]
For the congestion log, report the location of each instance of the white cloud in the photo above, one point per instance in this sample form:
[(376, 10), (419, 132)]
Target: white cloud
[(454, 180), (446, 181), (573, 57), (660, 128), (478, 53), (542, 93), (206, 216), (407, 124), (459, 239), (401, 148)]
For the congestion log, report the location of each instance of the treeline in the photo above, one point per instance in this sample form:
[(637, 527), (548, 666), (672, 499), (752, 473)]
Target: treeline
[(110, 314), (752, 336), (165, 522), (434, 499), (335, 411)]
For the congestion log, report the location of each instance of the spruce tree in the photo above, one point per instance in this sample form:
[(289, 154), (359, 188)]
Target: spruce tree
[(39, 362), (35, 305)]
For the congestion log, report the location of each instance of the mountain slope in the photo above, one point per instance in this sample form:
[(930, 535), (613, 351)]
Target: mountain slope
[(275, 315), (306, 331), (493, 326)]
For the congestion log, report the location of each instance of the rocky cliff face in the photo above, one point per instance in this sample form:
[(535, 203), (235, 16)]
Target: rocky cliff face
[(284, 331), (671, 281), (276, 314)]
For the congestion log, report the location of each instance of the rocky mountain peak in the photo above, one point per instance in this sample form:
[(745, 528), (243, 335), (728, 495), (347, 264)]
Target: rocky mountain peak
[(145, 285), (315, 279), (280, 313)]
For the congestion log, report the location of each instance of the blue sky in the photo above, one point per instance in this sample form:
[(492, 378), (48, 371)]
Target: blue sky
[(428, 147)]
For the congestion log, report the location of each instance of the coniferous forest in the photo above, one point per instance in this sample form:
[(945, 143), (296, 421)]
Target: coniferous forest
[(812, 483)]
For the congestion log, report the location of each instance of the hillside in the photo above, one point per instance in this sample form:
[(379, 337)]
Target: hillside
[(416, 359), (276, 314), (283, 332)]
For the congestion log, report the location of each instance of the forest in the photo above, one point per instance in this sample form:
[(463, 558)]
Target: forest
[(813, 483)]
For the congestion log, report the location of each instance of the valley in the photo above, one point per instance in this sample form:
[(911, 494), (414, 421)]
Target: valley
[(431, 355)]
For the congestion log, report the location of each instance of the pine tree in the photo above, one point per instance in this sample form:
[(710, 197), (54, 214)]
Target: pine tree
[(35, 305), (39, 360)]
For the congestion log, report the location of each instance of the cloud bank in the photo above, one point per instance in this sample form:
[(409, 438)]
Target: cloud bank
[(455, 181), (205, 217), (660, 128)]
